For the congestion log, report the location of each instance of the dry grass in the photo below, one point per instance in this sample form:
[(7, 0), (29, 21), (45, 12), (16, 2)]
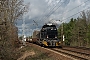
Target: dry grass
[(31, 53)]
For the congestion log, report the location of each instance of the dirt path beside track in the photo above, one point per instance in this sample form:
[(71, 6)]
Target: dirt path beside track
[(26, 54)]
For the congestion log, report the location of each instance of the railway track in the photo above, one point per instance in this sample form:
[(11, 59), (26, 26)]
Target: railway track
[(83, 48), (74, 54)]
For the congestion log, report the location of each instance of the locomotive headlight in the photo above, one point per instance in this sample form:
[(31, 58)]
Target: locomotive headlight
[(47, 36), (59, 42), (55, 36), (54, 29), (51, 29)]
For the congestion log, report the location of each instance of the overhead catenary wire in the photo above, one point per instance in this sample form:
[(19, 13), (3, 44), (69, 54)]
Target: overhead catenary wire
[(67, 11), (71, 9), (53, 8), (44, 12), (76, 6), (75, 14), (50, 10)]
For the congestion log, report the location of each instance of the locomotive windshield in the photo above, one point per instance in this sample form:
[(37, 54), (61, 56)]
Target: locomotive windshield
[(49, 27), (46, 26), (52, 33)]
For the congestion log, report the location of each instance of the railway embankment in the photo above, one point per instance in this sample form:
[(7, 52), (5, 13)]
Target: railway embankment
[(34, 52)]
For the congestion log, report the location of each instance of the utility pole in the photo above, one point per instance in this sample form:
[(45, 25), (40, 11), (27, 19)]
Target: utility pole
[(23, 25), (62, 32), (62, 35), (23, 31)]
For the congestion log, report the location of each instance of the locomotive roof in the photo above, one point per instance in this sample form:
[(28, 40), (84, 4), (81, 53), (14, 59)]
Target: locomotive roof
[(48, 26)]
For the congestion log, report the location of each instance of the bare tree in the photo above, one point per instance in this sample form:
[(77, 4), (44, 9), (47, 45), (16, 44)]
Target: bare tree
[(10, 10)]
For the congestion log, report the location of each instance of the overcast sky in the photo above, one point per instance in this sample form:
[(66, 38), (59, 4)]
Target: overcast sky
[(43, 11)]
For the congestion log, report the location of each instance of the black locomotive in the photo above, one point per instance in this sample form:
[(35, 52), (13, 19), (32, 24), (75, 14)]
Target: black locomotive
[(48, 36)]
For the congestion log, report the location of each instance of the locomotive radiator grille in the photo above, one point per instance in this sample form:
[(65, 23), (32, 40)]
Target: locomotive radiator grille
[(52, 43)]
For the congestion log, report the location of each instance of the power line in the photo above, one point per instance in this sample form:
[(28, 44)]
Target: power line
[(76, 7), (75, 13), (53, 7), (69, 10), (51, 11), (43, 12), (54, 10)]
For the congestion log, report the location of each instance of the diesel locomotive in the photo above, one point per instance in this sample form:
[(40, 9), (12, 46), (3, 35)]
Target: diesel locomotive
[(47, 36)]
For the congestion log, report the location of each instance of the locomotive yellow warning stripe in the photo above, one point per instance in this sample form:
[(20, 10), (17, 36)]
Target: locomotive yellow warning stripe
[(45, 43), (58, 43)]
